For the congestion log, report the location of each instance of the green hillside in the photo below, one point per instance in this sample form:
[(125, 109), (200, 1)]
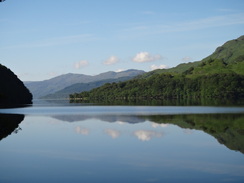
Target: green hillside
[(179, 69), (232, 51), (220, 75), (227, 58)]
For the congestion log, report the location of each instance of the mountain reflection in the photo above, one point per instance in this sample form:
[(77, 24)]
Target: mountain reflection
[(228, 129), (107, 118), (9, 123)]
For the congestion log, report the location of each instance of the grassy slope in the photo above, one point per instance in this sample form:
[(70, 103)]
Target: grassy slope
[(228, 58), (232, 51)]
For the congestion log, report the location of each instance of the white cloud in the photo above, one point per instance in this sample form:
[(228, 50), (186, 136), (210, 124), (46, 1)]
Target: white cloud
[(113, 133), (80, 64), (83, 131), (146, 135), (154, 67), (111, 60), (146, 57), (119, 70)]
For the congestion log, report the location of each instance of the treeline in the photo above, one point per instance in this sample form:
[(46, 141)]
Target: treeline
[(168, 86)]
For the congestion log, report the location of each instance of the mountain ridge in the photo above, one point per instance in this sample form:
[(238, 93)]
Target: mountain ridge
[(230, 53), (46, 87), (80, 87)]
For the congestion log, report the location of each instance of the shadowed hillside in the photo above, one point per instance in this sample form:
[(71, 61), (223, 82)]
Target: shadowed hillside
[(12, 91)]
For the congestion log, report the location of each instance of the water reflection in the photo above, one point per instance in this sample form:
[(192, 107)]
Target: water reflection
[(122, 148), (107, 118), (165, 102), (228, 129), (9, 123)]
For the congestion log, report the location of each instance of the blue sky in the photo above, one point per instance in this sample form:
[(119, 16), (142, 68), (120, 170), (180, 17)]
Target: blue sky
[(44, 39)]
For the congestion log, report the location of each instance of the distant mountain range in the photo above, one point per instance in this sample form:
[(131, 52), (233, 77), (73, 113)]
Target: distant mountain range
[(226, 61), (61, 86)]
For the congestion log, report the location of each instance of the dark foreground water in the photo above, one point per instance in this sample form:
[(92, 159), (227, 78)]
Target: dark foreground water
[(121, 144)]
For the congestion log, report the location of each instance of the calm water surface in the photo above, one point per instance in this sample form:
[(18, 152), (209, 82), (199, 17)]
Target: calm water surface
[(122, 144)]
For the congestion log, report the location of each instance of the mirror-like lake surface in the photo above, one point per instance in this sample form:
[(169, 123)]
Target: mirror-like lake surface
[(122, 144)]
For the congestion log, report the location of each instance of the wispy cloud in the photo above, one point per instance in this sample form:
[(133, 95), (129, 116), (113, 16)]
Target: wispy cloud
[(197, 24), (216, 21)]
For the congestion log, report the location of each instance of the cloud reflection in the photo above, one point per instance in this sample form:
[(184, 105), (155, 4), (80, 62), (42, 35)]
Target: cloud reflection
[(155, 125), (146, 135), (83, 131), (112, 133)]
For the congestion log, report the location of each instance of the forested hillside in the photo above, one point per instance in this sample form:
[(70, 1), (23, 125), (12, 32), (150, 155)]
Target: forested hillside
[(220, 75), (12, 90)]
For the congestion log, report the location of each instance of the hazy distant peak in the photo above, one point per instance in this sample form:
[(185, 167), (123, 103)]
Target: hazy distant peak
[(42, 88)]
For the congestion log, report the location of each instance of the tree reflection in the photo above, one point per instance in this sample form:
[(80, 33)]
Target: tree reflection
[(228, 129), (9, 123)]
